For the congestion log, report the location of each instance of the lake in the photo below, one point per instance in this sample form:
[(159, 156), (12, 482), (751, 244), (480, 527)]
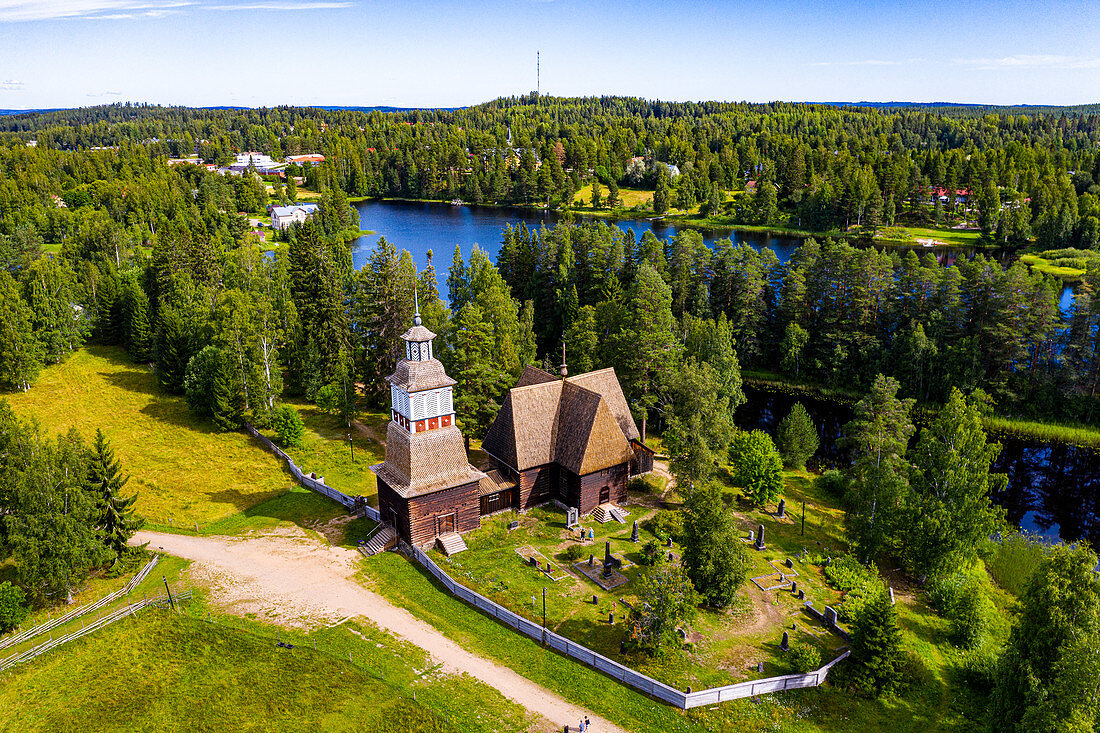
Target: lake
[(421, 227), (1053, 488)]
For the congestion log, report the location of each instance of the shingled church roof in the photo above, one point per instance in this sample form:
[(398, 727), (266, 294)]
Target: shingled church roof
[(582, 423)]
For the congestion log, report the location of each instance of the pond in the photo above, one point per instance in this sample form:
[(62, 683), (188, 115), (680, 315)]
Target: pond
[(421, 227), (1053, 488)]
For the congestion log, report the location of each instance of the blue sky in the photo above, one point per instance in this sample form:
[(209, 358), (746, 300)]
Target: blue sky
[(67, 53)]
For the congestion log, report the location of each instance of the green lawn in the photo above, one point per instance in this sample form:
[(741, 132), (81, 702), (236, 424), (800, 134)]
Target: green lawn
[(202, 672), (184, 471), (325, 450), (940, 235), (731, 642)]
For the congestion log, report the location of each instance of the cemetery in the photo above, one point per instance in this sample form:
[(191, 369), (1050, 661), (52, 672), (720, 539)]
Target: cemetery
[(589, 588)]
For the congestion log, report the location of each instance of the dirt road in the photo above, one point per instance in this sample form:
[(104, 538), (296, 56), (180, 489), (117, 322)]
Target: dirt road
[(294, 577)]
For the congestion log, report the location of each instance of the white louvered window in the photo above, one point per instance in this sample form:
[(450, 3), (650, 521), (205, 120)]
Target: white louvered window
[(404, 410), (445, 405), (432, 404)]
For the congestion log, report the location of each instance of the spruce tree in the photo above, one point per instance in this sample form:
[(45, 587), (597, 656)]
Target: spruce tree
[(876, 647), (20, 359), (138, 333), (226, 400), (796, 437), (105, 482)]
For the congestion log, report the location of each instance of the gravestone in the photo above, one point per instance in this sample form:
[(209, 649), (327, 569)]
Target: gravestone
[(891, 596), (760, 668), (790, 563), (591, 560), (548, 568), (571, 516), (668, 542), (785, 645), (752, 536), (634, 532), (782, 509), (681, 633), (801, 595), (607, 561), (670, 557), (830, 615), (533, 561), (513, 525), (595, 600), (782, 578), (610, 617), (760, 538), (794, 586)]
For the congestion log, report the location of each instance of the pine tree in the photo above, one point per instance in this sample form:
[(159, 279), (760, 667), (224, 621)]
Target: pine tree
[(105, 482), (947, 511), (879, 437), (797, 437), (876, 647), (660, 197), (476, 371), (20, 359), (138, 333)]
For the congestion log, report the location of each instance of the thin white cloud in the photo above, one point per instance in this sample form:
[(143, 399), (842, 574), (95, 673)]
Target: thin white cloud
[(1032, 61), (14, 11), (11, 85), (100, 95), (283, 6), (861, 62)]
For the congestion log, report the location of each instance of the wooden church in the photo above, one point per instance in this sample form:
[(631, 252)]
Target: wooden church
[(570, 439)]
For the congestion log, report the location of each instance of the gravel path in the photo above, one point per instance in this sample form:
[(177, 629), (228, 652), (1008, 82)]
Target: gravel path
[(294, 578)]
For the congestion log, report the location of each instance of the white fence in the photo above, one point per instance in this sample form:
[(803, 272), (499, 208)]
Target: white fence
[(648, 685), (349, 502)]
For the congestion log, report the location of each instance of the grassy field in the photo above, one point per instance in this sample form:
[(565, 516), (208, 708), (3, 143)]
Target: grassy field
[(202, 672), (732, 643), (629, 197), (184, 471), (325, 450), (934, 701), (955, 237)]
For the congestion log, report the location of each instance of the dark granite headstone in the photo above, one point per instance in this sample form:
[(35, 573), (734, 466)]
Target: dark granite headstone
[(513, 525), (759, 538), (794, 586), (790, 563), (785, 645), (801, 595), (782, 508), (830, 615), (634, 532)]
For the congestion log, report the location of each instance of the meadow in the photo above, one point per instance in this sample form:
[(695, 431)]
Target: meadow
[(201, 671)]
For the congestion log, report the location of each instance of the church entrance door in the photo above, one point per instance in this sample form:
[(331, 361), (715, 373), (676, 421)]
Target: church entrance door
[(445, 524), (605, 494)]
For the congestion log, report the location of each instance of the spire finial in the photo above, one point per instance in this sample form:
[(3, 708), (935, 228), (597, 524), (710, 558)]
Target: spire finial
[(416, 303), (564, 371)]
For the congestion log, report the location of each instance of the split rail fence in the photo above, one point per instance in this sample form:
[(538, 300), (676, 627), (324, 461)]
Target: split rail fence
[(613, 669), (115, 615)]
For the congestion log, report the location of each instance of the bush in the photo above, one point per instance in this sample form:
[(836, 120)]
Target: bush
[(12, 609), (962, 599), (860, 584), (288, 426), (652, 552), (1014, 559), (804, 657), (574, 553), (666, 523), (977, 669), (832, 483)]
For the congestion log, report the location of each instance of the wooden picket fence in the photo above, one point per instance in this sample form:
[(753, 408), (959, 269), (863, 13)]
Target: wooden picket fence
[(615, 670), (355, 505)]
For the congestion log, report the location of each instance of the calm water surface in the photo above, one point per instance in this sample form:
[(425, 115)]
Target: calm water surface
[(438, 227), (1053, 489)]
